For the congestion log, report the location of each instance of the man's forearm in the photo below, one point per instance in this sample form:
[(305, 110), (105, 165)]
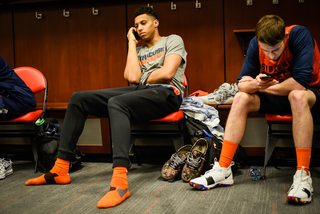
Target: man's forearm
[(132, 72), (249, 86), (158, 76), (283, 88), (167, 71)]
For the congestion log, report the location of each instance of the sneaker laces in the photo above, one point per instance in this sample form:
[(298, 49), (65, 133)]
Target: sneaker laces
[(215, 92), (176, 161), (6, 163), (2, 168), (222, 96), (298, 179), (233, 89), (222, 88), (193, 163), (224, 91)]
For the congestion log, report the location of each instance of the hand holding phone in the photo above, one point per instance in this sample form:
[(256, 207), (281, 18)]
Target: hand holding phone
[(266, 77), (135, 33)]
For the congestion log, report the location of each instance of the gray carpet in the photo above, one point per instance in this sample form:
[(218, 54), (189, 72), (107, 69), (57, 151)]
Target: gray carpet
[(150, 194)]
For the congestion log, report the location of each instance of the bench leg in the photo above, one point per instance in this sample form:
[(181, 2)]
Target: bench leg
[(35, 154), (270, 145), (132, 151)]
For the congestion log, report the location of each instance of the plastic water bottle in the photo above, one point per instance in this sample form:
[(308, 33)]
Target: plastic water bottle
[(255, 174)]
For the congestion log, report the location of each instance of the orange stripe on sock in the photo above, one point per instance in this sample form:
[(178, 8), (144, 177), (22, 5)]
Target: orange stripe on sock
[(303, 158), (227, 153)]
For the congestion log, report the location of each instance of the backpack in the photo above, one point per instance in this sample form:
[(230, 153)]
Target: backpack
[(198, 129), (47, 143)]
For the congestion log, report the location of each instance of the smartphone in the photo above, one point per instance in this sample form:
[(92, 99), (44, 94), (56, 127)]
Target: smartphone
[(268, 77), (135, 33)]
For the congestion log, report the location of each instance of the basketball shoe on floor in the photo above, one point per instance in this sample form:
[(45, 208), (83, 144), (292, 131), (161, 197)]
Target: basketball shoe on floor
[(301, 190), (171, 170), (5, 167), (217, 176), (195, 160), (223, 95)]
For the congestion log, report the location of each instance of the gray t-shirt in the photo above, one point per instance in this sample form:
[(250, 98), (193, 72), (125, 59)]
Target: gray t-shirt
[(153, 58)]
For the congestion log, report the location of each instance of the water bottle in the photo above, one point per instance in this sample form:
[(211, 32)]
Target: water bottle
[(255, 174)]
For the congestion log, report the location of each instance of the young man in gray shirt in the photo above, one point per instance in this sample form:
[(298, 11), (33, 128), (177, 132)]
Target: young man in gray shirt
[(156, 71)]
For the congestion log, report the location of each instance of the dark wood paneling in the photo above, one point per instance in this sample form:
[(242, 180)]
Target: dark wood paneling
[(6, 36), (240, 16), (81, 52), (202, 32)]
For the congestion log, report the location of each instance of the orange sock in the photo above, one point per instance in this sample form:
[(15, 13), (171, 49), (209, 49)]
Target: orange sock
[(227, 153), (119, 190), (59, 174), (303, 158)]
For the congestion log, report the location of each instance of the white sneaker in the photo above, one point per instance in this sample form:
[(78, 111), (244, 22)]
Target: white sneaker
[(217, 176), (5, 167), (223, 95), (301, 190)]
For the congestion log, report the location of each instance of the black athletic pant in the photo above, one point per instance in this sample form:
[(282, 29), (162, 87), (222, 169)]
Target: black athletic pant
[(122, 106)]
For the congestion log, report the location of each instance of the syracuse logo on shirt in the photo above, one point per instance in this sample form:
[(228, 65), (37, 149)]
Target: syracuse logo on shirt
[(151, 56), (279, 70)]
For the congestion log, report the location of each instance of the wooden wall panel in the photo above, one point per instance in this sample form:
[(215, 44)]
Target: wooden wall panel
[(240, 16), (6, 36), (81, 52), (202, 32)]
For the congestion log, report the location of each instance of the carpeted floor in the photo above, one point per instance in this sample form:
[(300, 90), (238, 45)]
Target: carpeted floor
[(151, 194)]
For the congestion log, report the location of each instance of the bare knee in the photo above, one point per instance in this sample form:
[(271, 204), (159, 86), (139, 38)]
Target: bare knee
[(298, 99), (246, 102)]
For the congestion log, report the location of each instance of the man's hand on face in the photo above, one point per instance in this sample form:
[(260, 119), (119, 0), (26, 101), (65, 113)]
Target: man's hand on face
[(131, 36)]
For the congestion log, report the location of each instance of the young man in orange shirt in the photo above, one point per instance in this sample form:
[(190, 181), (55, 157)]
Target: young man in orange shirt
[(291, 57)]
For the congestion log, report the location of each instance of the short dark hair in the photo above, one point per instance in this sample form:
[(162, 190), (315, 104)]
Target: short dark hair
[(145, 10), (270, 30)]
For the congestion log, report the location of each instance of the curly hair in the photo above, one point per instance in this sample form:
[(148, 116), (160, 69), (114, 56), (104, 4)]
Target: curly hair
[(270, 30), (145, 10)]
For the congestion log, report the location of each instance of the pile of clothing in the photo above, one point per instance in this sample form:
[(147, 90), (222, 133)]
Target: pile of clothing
[(195, 108)]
